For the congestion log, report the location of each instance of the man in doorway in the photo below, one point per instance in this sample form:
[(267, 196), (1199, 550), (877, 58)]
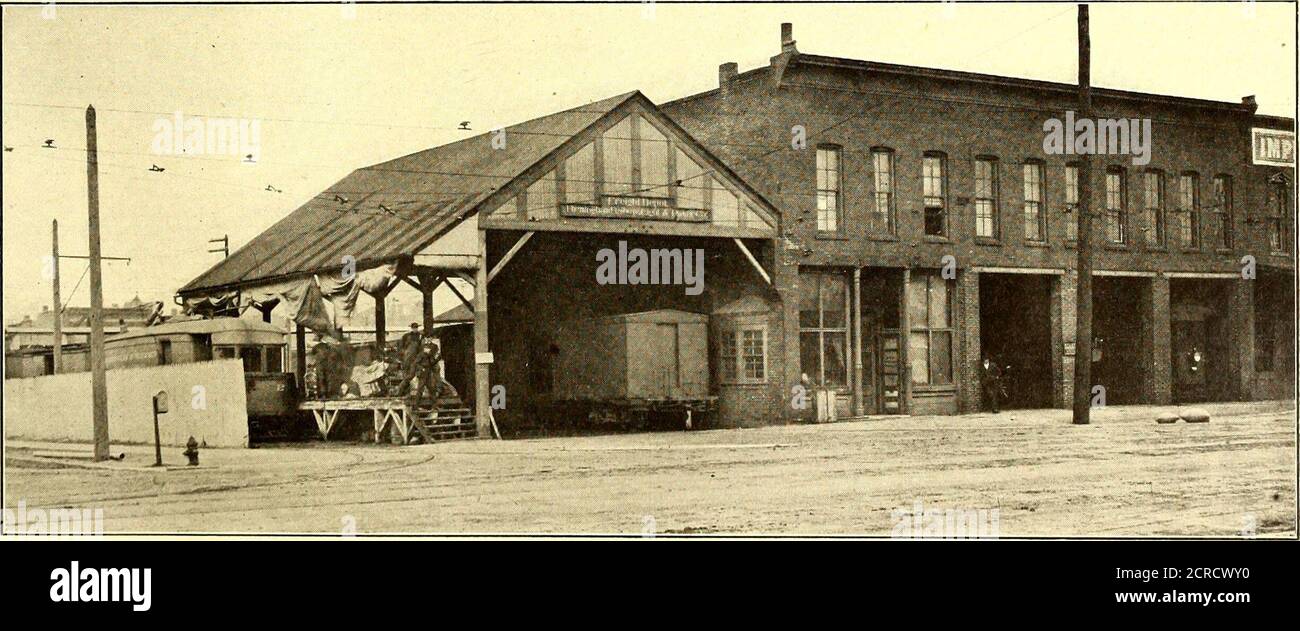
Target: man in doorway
[(991, 383)]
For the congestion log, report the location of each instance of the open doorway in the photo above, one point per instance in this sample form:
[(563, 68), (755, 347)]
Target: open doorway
[(1016, 332)]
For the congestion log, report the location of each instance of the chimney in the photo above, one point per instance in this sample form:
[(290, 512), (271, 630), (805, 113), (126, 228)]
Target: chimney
[(787, 38), (726, 74)]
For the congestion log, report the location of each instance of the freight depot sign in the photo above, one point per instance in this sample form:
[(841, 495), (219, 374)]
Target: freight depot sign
[(1273, 147), (643, 208)]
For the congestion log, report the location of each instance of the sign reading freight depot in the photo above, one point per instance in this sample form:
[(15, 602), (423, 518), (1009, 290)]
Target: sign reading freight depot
[(644, 208)]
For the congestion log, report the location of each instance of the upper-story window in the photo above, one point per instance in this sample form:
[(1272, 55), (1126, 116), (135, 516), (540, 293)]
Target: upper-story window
[(1115, 205), (1035, 218), (1189, 216), (1153, 206), (882, 165), (828, 189), (1222, 211), (934, 191), (1071, 202), (986, 197), (1279, 194)]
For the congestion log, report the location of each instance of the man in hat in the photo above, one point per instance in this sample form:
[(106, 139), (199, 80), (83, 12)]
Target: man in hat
[(991, 383), (426, 364), (410, 352)]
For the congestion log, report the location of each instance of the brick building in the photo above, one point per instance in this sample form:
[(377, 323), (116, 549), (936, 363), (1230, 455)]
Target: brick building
[(924, 226)]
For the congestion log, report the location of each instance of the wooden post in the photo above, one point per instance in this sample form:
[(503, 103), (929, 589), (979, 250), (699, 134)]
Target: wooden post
[(58, 306), (98, 378), (482, 352), (1083, 298), (381, 324), (856, 295), (300, 355), (904, 349), (427, 285)]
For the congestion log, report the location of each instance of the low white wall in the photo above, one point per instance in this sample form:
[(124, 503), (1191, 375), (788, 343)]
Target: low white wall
[(206, 400)]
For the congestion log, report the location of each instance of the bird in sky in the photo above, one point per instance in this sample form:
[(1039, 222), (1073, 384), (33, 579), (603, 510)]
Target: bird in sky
[(157, 169), (49, 143)]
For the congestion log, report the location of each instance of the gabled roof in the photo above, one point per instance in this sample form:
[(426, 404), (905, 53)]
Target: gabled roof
[(423, 195)]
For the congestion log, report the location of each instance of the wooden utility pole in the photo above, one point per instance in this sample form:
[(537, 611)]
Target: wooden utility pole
[(1083, 286), (58, 306), (98, 379)]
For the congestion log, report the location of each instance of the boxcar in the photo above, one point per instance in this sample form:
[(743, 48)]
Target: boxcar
[(635, 367)]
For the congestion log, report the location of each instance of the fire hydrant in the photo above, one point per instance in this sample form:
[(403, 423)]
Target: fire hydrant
[(192, 451)]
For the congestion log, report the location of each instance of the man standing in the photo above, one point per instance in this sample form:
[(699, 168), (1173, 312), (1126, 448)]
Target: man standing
[(427, 365), (410, 349), (991, 383)]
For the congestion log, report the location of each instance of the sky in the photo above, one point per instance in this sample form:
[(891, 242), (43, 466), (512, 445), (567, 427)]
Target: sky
[(337, 87)]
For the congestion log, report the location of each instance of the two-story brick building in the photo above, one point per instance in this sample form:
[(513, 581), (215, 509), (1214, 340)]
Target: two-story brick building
[(925, 226)]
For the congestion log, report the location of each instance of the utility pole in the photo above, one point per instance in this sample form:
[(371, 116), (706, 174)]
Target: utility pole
[(225, 246), (98, 379), (1083, 298), (58, 306)]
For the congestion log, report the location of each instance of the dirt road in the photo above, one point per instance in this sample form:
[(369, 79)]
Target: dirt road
[(1122, 475)]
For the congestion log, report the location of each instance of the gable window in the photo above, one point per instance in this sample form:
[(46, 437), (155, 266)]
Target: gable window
[(1189, 219), (929, 311), (986, 197), (1035, 219), (742, 352), (828, 189), (823, 328), (933, 192), (1071, 202), (1115, 207), (1222, 211), (882, 164), (1153, 196)]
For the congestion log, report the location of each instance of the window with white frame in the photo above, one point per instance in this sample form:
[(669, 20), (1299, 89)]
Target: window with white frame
[(1153, 196), (1115, 205), (882, 163), (986, 197), (1071, 202), (1035, 218), (934, 195), (1223, 211), (824, 327), (742, 351), (930, 335), (828, 188), (1189, 218)]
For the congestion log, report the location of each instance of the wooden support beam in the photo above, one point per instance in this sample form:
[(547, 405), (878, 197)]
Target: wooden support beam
[(856, 297), (412, 282), (514, 249), (904, 346), (482, 352), (426, 297), (381, 323), (753, 261), (300, 356), (463, 299)]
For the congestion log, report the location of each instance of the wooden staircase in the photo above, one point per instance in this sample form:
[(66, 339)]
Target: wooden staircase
[(433, 423)]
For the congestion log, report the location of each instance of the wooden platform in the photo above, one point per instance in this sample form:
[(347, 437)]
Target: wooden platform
[(393, 414)]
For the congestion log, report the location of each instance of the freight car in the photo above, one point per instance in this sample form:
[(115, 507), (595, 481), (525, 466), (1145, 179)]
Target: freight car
[(635, 368), (272, 392)]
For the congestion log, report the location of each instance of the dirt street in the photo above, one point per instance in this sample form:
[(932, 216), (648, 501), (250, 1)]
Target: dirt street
[(1122, 475)]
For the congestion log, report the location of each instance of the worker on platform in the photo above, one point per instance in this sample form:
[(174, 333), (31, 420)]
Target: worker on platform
[(427, 366), (410, 346)]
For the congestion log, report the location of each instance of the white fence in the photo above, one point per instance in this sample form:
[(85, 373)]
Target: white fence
[(206, 400)]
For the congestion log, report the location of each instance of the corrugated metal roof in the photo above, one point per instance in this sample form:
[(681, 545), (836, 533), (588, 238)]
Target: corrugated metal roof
[(425, 193)]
